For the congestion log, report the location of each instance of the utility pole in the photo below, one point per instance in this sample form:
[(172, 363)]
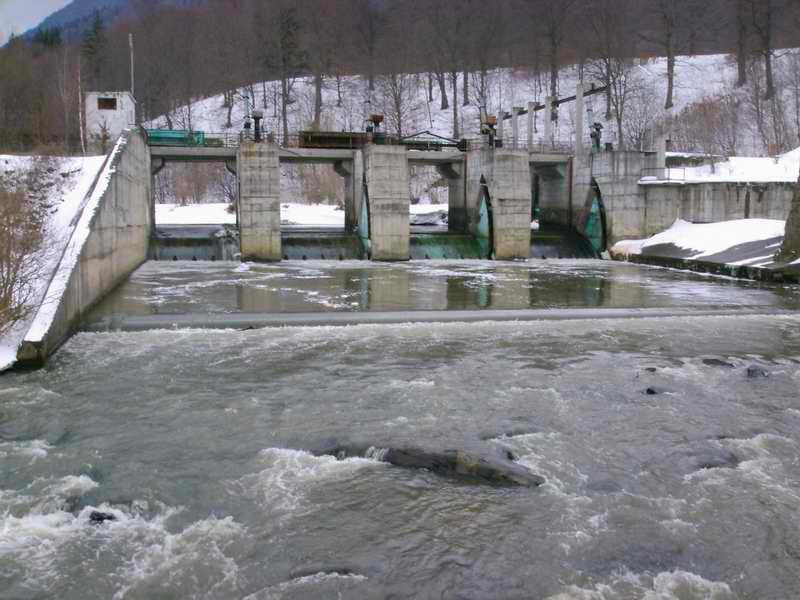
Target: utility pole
[(130, 43)]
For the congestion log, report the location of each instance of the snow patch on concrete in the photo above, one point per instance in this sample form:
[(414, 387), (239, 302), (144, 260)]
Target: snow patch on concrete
[(80, 232)]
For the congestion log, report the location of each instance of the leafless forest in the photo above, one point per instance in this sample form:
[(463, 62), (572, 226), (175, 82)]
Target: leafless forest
[(216, 46)]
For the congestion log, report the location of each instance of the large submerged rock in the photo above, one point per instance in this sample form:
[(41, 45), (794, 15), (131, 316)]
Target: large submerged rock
[(447, 463)]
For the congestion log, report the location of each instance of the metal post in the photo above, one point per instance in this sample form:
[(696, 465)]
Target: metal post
[(579, 120), (515, 126), (548, 120), (130, 43), (531, 106)]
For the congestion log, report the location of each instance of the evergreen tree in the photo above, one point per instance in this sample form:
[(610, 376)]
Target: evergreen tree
[(48, 37), (94, 49)]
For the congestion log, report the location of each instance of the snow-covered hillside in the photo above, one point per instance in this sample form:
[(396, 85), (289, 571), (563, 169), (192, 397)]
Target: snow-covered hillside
[(736, 169), (62, 183), (348, 102), (696, 77)]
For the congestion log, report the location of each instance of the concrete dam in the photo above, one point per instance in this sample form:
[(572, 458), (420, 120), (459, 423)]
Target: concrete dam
[(586, 201)]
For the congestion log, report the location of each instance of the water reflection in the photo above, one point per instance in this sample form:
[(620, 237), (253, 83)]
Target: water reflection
[(314, 286)]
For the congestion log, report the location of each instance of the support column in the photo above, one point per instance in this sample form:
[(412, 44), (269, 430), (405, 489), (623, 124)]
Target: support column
[(508, 177), (259, 201), (352, 171), (501, 119), (456, 197), (510, 191), (386, 170), (515, 126)]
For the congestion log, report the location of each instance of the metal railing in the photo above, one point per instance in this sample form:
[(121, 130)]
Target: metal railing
[(190, 139), (536, 147), (222, 140)]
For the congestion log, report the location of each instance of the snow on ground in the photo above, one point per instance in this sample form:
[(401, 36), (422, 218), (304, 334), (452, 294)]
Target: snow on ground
[(66, 183), (194, 214), (783, 168), (292, 213), (707, 239), (695, 77), (80, 228)]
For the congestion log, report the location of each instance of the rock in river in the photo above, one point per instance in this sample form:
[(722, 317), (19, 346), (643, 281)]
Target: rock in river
[(455, 464)]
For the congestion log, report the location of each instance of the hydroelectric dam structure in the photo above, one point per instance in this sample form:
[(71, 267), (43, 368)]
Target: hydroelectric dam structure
[(585, 200)]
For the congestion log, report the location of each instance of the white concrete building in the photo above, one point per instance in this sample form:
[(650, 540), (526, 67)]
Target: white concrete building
[(107, 115)]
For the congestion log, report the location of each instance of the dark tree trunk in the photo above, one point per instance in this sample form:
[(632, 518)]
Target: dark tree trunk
[(770, 93), (454, 78), (317, 101), (440, 77), (669, 103), (741, 44), (430, 87), (284, 104), (465, 99)]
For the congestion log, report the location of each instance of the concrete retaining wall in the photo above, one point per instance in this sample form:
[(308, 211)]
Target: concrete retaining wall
[(636, 211), (713, 202), (110, 240)]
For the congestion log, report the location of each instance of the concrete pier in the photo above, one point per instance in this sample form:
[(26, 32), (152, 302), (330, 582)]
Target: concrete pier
[(259, 201), (508, 177), (457, 219), (386, 173), (510, 191)]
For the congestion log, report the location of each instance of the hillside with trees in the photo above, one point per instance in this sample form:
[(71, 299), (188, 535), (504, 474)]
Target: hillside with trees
[(202, 48)]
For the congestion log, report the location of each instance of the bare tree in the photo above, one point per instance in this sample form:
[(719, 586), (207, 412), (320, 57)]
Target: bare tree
[(21, 233), (763, 20)]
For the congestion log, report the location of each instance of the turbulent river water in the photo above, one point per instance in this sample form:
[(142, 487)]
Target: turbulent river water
[(671, 471)]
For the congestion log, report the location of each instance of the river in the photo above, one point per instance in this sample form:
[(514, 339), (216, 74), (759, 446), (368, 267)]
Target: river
[(670, 471)]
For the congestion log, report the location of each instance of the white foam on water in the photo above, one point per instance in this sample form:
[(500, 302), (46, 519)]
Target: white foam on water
[(282, 486), (683, 585), (73, 486), (667, 585), (34, 449), (545, 453), (199, 555), (316, 579), (679, 528)]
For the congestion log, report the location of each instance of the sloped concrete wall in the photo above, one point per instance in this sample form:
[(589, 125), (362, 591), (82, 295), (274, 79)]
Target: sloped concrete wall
[(110, 240)]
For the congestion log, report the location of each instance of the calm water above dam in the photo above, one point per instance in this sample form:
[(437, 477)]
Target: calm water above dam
[(670, 473), (322, 286)]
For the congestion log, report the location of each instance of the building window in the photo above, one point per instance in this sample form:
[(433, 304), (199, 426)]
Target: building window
[(107, 104)]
